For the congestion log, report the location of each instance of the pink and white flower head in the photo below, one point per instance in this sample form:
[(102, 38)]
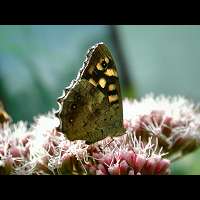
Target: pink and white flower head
[(156, 129), (175, 121), (14, 147), (125, 155), (51, 153)]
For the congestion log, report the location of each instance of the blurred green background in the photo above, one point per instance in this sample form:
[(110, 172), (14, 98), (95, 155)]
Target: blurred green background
[(38, 61)]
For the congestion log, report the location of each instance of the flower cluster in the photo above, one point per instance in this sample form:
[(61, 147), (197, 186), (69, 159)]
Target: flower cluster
[(14, 147), (42, 150), (157, 128), (174, 121)]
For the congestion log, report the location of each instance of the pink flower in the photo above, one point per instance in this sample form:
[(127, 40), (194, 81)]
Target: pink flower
[(14, 147), (157, 128), (174, 121), (51, 153)]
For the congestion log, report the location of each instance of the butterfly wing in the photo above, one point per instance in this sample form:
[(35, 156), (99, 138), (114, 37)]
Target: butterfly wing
[(91, 108), (101, 71)]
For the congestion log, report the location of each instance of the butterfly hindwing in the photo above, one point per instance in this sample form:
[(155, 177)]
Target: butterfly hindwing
[(91, 108)]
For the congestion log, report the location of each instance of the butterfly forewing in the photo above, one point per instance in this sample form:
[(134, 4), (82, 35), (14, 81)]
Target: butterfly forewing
[(101, 71), (92, 108)]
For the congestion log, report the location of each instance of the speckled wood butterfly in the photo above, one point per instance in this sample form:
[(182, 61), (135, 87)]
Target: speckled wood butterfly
[(90, 108)]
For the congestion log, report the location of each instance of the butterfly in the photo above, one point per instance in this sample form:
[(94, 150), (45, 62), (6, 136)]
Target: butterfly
[(4, 117), (90, 108)]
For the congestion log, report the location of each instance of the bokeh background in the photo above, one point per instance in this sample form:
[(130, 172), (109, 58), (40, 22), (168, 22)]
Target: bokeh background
[(38, 61)]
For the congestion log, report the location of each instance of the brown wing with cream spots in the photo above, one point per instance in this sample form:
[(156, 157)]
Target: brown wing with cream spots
[(100, 70), (90, 108)]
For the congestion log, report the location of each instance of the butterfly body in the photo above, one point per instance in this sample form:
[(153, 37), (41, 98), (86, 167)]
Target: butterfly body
[(91, 107)]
